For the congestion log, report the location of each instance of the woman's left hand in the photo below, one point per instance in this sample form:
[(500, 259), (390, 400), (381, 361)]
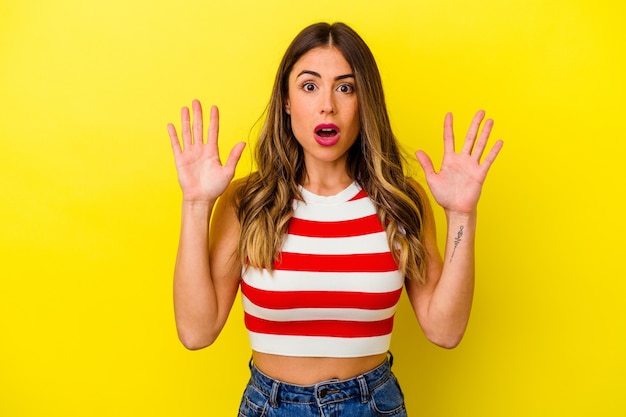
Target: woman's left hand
[(458, 184)]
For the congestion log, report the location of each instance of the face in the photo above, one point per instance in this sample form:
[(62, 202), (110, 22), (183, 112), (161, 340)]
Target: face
[(323, 106)]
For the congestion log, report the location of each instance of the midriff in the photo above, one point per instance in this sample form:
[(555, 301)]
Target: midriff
[(309, 370)]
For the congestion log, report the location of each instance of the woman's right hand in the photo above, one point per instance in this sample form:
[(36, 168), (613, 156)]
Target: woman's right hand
[(201, 175)]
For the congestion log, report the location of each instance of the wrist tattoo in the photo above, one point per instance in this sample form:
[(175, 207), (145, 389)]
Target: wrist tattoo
[(457, 241)]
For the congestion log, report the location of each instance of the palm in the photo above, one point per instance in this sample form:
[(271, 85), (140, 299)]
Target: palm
[(201, 174), (458, 184)]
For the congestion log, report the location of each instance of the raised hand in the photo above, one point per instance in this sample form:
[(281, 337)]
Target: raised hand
[(458, 184), (201, 175)]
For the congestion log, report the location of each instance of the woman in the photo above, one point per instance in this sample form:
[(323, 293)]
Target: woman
[(307, 236)]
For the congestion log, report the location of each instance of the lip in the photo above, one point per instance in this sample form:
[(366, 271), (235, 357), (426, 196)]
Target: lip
[(326, 140)]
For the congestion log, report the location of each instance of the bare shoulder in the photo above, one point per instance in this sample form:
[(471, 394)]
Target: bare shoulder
[(413, 183), (421, 193), (229, 201), (224, 235), (225, 221)]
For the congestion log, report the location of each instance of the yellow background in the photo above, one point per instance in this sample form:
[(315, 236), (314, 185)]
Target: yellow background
[(89, 203)]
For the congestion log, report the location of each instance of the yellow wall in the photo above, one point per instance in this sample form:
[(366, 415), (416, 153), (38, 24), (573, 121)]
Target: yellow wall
[(89, 201)]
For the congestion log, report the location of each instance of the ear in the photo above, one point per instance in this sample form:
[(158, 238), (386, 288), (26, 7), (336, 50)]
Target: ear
[(287, 107)]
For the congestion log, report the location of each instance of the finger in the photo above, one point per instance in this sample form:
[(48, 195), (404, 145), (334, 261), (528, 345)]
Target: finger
[(234, 156), (185, 128), (174, 139), (448, 134), (491, 156), (198, 129), (473, 132), (426, 163), (214, 129), (481, 144)]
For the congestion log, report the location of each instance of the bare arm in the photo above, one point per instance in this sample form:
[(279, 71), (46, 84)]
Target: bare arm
[(444, 302), (206, 275)]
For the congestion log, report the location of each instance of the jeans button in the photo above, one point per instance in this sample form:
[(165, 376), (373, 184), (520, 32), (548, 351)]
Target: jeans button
[(323, 392)]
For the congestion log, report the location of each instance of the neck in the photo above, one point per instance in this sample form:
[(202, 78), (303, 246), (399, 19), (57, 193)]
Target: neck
[(328, 183), (326, 177)]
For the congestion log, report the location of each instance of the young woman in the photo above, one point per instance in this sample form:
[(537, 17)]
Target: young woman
[(322, 238)]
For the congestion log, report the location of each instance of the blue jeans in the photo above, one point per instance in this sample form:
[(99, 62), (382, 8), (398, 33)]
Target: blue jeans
[(375, 393)]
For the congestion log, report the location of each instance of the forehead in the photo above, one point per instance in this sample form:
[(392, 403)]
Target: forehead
[(323, 60)]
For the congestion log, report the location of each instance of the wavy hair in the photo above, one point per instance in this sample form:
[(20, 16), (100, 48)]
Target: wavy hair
[(264, 200)]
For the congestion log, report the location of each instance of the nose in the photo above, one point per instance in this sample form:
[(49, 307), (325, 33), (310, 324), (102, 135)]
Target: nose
[(328, 103), (328, 109)]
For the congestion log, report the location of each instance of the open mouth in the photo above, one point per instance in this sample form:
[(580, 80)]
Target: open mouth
[(326, 132)]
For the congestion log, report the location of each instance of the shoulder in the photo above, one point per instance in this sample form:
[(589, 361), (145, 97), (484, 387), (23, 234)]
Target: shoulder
[(227, 207), (414, 187), (238, 188), (419, 194)]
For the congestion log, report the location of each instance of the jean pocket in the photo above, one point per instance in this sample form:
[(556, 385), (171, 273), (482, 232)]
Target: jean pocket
[(253, 403), (387, 399)]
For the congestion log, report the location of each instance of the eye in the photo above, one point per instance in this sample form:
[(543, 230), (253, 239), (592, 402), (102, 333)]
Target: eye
[(346, 88), (309, 86)]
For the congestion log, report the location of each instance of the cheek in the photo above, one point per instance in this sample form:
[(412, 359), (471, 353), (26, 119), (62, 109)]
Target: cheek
[(297, 121), (356, 120), (298, 105), (300, 113)]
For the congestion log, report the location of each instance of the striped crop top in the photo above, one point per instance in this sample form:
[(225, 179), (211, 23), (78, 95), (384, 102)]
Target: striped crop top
[(335, 287)]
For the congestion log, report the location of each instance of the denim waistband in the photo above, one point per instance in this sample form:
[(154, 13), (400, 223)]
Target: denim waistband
[(332, 390)]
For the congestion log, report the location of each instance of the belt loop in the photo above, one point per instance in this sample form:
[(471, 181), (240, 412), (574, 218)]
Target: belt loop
[(274, 394), (365, 392)]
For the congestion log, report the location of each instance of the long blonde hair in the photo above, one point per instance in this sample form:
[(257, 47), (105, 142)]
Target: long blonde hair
[(265, 199)]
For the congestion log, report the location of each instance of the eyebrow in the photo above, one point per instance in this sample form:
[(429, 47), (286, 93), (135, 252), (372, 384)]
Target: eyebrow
[(315, 74)]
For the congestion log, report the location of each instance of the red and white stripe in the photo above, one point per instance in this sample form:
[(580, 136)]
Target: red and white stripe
[(335, 288)]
